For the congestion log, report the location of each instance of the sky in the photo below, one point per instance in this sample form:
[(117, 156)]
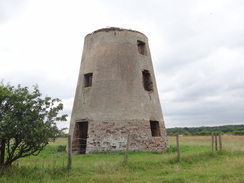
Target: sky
[(197, 48)]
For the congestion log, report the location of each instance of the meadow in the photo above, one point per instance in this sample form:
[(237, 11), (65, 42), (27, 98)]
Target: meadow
[(198, 164)]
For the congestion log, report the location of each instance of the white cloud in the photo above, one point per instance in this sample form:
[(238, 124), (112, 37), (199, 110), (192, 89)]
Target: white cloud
[(196, 46)]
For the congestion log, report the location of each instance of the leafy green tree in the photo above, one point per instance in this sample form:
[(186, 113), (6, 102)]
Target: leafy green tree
[(27, 122)]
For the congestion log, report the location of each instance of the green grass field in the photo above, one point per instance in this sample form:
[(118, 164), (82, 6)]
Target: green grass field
[(198, 164)]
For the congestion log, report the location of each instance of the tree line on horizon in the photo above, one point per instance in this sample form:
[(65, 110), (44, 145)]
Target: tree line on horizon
[(207, 130)]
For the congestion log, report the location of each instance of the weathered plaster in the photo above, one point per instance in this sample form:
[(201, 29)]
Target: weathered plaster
[(117, 103)]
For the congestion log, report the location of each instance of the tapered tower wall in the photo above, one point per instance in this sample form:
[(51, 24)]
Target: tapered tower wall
[(116, 94)]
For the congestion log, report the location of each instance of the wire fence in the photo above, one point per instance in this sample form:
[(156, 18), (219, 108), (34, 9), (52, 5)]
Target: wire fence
[(53, 159), (80, 146)]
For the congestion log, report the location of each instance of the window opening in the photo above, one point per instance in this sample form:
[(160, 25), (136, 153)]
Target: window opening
[(141, 47), (155, 128), (88, 80), (147, 80)]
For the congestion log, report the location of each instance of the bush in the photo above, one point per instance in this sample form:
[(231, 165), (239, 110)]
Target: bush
[(61, 148)]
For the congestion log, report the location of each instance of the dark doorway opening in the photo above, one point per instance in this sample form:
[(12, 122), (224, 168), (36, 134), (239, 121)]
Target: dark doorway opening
[(147, 80), (81, 136), (155, 128)]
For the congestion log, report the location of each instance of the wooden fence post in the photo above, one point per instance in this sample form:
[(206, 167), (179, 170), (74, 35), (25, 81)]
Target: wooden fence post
[(127, 149), (178, 146), (212, 142), (216, 141), (69, 166), (220, 142)]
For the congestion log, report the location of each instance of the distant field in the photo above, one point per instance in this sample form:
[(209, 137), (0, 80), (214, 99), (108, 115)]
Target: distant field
[(233, 142), (198, 164)]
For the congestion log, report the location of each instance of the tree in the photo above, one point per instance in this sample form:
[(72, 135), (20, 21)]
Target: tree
[(27, 122)]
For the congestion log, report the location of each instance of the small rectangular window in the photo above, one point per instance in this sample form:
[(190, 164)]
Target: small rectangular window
[(147, 80), (141, 47), (155, 128), (88, 80)]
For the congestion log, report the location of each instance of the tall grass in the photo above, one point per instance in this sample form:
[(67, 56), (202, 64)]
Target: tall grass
[(198, 164)]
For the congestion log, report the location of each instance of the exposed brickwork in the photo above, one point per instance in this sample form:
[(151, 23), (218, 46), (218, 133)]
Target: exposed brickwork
[(113, 136)]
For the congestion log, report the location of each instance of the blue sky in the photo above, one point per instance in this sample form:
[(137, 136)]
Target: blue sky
[(196, 46)]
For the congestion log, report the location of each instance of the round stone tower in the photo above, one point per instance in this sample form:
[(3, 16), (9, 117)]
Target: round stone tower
[(116, 95)]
